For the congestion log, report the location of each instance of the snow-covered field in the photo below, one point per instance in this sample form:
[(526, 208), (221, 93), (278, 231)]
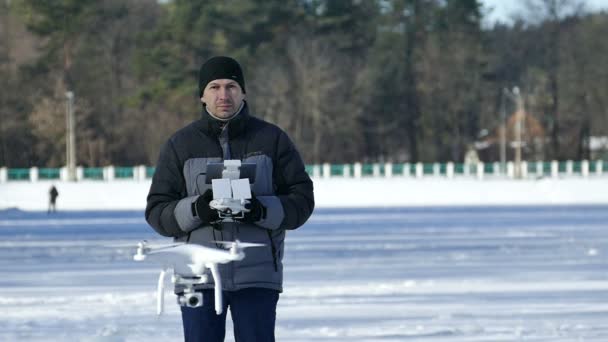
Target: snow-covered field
[(335, 192), (534, 273)]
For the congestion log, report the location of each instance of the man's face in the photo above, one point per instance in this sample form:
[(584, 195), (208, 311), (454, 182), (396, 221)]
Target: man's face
[(223, 97)]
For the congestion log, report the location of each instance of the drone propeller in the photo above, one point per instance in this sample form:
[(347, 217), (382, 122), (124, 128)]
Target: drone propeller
[(160, 248), (239, 244), (143, 244), (120, 245)]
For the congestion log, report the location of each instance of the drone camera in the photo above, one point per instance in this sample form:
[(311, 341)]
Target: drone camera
[(190, 300)]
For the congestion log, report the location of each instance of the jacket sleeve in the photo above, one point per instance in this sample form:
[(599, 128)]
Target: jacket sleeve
[(294, 186), (166, 191)]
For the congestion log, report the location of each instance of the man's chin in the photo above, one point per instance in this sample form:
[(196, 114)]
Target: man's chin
[(227, 114)]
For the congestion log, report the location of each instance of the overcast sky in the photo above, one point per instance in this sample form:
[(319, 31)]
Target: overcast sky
[(504, 9)]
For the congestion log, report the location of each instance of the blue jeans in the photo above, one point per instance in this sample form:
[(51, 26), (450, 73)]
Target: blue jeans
[(253, 312)]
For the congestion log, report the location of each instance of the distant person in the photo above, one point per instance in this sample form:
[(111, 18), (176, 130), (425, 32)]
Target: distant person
[(178, 203), (53, 194)]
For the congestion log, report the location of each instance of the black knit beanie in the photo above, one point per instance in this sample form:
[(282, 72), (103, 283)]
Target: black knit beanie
[(220, 67)]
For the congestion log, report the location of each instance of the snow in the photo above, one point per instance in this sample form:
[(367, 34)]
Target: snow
[(334, 192), (430, 259)]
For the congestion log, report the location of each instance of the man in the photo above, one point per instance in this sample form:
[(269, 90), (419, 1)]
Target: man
[(178, 203)]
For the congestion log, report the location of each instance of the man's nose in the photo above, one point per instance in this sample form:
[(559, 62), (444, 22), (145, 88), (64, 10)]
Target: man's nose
[(223, 93)]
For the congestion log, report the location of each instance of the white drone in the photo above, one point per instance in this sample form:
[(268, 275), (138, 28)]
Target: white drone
[(231, 195), (189, 262)]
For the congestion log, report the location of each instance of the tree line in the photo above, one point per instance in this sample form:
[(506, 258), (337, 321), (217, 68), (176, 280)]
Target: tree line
[(349, 80)]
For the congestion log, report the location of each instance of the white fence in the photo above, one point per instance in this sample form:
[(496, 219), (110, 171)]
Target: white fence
[(450, 170)]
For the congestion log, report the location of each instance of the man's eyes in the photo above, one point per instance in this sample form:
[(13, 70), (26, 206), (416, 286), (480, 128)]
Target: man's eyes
[(230, 86)]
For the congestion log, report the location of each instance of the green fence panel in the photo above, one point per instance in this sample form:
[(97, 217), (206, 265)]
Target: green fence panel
[(577, 167), (150, 171), (123, 172), (592, 166), (367, 169), (18, 174), (48, 173), (309, 169), (336, 170), (547, 168), (93, 173), (428, 169), (488, 168), (458, 169), (397, 169)]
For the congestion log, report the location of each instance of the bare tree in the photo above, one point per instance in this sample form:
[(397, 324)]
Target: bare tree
[(551, 14)]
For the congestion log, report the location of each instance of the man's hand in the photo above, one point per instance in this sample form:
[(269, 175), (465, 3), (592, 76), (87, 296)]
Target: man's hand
[(256, 211), (201, 208)]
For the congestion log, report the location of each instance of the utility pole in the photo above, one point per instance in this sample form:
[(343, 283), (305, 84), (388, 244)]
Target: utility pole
[(503, 131), (70, 145), (519, 116)]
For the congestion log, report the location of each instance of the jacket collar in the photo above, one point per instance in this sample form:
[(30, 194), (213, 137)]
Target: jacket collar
[(236, 126)]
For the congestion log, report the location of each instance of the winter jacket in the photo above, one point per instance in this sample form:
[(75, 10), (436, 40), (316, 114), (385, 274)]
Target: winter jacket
[(281, 185)]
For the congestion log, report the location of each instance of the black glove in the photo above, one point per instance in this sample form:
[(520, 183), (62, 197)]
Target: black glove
[(256, 211), (201, 208)]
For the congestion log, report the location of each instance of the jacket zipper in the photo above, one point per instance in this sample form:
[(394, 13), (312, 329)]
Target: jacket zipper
[(273, 251)]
